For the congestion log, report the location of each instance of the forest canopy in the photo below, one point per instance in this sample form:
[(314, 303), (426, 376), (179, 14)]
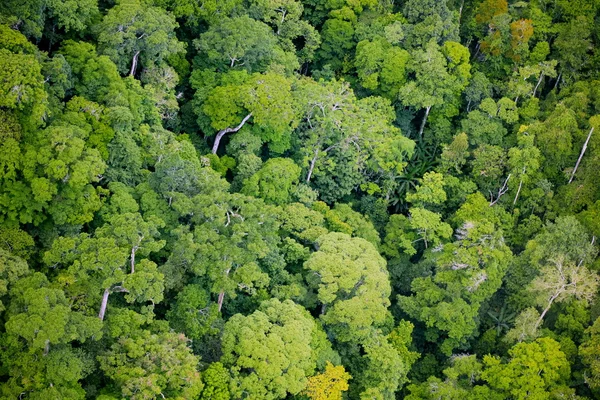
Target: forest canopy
[(299, 199)]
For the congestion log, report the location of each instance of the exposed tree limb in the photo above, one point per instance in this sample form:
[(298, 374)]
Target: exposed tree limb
[(223, 132), (104, 303), (424, 121), (501, 192), (134, 63), (581, 155)]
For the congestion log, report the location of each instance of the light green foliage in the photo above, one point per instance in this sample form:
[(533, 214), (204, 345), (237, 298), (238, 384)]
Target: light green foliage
[(269, 351), (148, 364), (532, 372), (216, 383), (274, 182), (401, 339), (429, 226), (468, 271), (343, 140), (352, 285), (211, 11), (554, 138), (193, 313), (524, 163), (134, 234), (565, 238), (12, 268), (384, 371), (589, 351), (53, 375), (459, 382), (526, 326), (132, 31), (342, 218), (430, 191), (483, 129), (22, 87), (455, 154), (438, 75), (231, 236), (42, 316), (381, 66), (245, 43), (266, 98)]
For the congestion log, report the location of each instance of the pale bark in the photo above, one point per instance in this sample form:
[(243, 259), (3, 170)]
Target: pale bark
[(541, 319), (223, 132), (104, 303), (518, 192), (312, 166), (582, 153), (220, 301), (133, 249), (538, 84), (424, 121), (134, 63), (557, 80), (501, 192)]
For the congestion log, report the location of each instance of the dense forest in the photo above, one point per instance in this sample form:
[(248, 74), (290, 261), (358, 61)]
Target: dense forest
[(299, 199)]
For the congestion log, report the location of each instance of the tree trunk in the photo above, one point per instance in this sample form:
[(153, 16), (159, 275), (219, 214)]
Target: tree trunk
[(133, 249), (423, 122), (582, 153), (103, 305), (220, 301), (134, 63), (312, 166), (557, 80), (518, 191), (538, 84), (46, 347), (222, 133), (539, 321)]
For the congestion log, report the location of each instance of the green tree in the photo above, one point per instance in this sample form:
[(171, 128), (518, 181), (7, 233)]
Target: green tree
[(265, 100), (231, 236), (12, 268), (438, 75), (42, 317), (193, 313), (147, 365), (132, 32), (588, 351), (532, 372), (467, 272), (338, 131), (243, 43), (274, 182), (381, 67), (216, 383), (270, 352), (352, 285)]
